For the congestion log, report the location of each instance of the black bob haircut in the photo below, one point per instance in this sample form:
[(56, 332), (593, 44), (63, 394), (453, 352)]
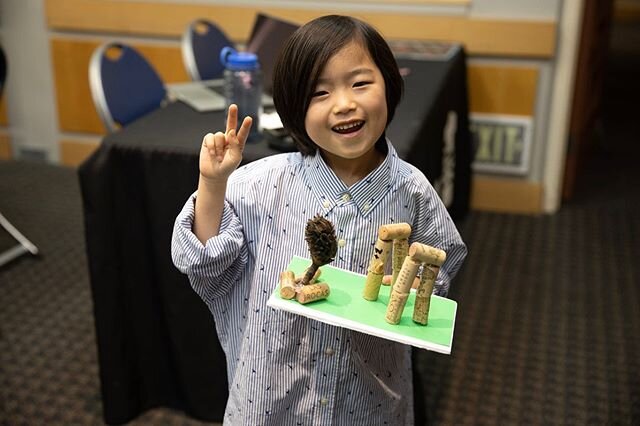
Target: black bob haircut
[(304, 56)]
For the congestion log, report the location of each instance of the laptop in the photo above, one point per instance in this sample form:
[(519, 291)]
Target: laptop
[(267, 38), (206, 95)]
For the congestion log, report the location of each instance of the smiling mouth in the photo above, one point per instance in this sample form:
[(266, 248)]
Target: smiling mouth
[(348, 128)]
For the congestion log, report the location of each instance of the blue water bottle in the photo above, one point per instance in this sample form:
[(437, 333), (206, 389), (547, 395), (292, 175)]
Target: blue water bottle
[(243, 86)]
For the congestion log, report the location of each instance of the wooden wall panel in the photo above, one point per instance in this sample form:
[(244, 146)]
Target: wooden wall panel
[(626, 11), (5, 147), (506, 195), (480, 36), (4, 120), (76, 112), (74, 152), (502, 89)]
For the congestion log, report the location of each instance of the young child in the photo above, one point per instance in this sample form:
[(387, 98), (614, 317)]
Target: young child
[(336, 87)]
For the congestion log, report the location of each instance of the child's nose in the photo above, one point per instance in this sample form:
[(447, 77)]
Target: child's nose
[(344, 104)]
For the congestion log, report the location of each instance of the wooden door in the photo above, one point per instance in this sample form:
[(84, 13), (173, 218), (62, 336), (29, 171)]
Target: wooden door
[(587, 97)]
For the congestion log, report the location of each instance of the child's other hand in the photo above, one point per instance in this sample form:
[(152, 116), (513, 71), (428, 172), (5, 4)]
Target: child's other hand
[(221, 153), (386, 280)]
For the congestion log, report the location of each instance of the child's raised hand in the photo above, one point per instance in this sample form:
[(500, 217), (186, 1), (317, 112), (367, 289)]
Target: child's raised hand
[(221, 153)]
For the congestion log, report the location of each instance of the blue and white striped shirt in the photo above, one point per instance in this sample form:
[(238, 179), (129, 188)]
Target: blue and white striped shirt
[(285, 369)]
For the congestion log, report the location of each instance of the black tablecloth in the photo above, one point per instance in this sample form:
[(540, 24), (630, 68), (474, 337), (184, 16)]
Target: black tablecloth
[(156, 339)]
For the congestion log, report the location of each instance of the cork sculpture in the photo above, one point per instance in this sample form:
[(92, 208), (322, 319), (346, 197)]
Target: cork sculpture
[(430, 258), (321, 239), (406, 262), (386, 243)]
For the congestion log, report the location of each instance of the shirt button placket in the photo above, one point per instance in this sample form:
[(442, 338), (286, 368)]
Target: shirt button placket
[(329, 366)]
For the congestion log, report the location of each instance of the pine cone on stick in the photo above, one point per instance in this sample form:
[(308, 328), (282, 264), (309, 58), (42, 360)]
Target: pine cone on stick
[(321, 239)]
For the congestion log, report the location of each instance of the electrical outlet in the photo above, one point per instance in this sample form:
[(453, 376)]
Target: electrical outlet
[(32, 154)]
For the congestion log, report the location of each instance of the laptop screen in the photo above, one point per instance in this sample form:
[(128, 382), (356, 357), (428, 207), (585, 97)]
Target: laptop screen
[(268, 36)]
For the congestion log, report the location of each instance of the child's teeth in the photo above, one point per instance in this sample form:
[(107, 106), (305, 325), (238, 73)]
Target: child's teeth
[(348, 126)]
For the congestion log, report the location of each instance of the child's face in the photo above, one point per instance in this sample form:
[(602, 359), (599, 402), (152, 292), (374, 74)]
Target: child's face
[(348, 111)]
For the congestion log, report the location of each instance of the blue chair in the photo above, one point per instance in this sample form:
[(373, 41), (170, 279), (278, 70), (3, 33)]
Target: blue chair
[(124, 86), (202, 41), (24, 245)]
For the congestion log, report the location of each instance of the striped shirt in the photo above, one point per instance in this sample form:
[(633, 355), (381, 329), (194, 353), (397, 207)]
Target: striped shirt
[(285, 369)]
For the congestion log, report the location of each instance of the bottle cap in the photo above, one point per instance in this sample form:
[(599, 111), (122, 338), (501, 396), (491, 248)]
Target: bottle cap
[(235, 60)]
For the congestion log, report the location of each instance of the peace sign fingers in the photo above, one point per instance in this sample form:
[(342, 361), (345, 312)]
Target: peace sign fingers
[(236, 140), (232, 118)]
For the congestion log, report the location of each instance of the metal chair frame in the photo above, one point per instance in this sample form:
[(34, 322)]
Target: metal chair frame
[(24, 245), (188, 49)]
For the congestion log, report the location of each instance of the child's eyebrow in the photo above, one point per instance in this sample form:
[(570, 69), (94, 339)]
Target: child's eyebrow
[(348, 75)]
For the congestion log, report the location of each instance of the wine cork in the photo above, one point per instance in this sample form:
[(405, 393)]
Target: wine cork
[(423, 294), (407, 274), (400, 250), (312, 292), (395, 307), (375, 271), (393, 231), (312, 280), (400, 291), (287, 285), (380, 255), (372, 286), (427, 254)]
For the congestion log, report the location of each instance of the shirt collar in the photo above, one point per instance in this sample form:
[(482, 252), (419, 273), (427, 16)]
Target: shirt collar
[(366, 193)]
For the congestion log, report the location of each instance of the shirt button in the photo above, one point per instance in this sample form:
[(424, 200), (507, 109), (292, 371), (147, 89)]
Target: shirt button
[(342, 243), (324, 401), (366, 206), (326, 204), (346, 197), (329, 351)]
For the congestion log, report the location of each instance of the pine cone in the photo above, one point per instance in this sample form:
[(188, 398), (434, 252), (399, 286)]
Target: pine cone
[(321, 238)]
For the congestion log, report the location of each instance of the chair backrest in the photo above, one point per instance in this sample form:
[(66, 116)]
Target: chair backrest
[(124, 86), (202, 41)]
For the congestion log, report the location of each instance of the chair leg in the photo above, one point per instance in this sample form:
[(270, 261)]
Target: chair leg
[(24, 246)]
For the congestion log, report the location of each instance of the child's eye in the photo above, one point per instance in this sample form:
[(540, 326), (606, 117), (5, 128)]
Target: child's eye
[(319, 93), (361, 83)]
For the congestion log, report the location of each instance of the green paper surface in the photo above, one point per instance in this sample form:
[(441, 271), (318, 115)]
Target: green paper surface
[(345, 307)]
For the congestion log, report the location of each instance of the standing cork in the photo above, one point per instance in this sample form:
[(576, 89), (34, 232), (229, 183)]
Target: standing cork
[(393, 231), (373, 281), (375, 271), (400, 291), (423, 294), (312, 292), (427, 254), (400, 251), (287, 285)]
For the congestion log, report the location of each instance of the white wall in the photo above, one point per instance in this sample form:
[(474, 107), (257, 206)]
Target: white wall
[(29, 88), (516, 9)]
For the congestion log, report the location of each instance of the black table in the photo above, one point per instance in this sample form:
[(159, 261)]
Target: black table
[(157, 344)]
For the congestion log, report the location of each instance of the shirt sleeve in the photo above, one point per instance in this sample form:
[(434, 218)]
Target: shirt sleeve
[(212, 268), (435, 227)]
